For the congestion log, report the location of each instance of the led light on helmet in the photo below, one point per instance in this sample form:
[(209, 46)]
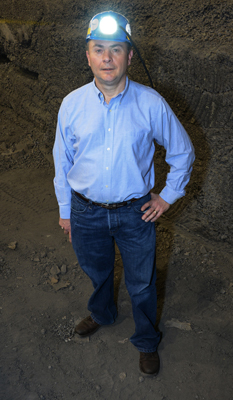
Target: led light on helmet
[(108, 25), (128, 29), (94, 24)]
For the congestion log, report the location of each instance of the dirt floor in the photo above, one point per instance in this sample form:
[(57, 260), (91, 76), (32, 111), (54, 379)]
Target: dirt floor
[(44, 293)]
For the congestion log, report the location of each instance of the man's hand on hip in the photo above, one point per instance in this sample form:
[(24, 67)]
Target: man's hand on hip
[(157, 207), (65, 224)]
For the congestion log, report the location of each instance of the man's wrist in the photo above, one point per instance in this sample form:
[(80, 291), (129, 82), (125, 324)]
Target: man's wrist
[(64, 212), (171, 196)]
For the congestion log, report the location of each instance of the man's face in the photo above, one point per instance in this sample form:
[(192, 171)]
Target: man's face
[(108, 60)]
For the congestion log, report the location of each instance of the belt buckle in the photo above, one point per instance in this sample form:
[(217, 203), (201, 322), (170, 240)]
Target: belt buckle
[(105, 205), (110, 206)]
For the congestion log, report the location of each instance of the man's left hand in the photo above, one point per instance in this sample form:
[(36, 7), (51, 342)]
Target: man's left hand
[(157, 206)]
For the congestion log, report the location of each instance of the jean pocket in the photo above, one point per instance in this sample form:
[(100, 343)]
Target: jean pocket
[(137, 205), (138, 210), (77, 206)]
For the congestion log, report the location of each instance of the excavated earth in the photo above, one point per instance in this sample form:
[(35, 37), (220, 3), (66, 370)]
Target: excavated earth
[(187, 47)]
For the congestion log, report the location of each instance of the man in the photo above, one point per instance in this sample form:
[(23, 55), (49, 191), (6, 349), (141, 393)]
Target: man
[(104, 173)]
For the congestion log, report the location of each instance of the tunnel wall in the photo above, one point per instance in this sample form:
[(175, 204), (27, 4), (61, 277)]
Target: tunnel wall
[(187, 46)]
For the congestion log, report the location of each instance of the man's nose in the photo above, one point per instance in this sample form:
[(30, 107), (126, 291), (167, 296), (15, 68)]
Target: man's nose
[(107, 55)]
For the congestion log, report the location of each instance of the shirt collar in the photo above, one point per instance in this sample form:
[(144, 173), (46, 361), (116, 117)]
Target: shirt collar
[(120, 95)]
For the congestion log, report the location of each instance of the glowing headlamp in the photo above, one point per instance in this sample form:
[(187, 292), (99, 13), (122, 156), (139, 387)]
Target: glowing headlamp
[(108, 25)]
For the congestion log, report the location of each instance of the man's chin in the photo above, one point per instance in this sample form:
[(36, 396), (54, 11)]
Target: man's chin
[(108, 75), (108, 78)]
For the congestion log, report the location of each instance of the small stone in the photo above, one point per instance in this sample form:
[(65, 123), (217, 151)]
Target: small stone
[(50, 366), (36, 259), (98, 387), (55, 270), (71, 288), (173, 323), (63, 269), (141, 379), (43, 331), (223, 237), (54, 280), (123, 341), (203, 250), (12, 245), (122, 376), (43, 254), (223, 291)]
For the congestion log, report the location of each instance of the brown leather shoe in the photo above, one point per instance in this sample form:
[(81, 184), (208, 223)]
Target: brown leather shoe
[(149, 363), (86, 327)]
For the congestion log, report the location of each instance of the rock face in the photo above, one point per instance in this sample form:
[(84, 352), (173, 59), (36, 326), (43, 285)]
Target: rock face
[(187, 47)]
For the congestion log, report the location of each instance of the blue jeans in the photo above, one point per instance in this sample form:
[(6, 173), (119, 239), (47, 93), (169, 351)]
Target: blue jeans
[(94, 230)]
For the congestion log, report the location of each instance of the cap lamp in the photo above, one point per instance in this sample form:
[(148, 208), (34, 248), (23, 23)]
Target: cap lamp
[(109, 25)]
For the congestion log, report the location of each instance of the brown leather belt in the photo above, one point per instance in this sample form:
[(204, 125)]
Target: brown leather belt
[(111, 206)]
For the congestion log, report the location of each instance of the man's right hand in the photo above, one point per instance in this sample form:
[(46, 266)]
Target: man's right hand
[(65, 224)]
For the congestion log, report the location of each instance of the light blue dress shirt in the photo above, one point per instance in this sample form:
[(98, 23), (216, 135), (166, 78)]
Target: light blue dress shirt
[(105, 151)]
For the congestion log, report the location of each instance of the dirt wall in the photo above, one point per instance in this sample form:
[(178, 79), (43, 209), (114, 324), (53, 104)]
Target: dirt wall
[(187, 46)]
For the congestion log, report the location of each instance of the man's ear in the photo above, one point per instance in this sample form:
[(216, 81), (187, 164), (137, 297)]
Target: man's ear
[(88, 58), (130, 55)]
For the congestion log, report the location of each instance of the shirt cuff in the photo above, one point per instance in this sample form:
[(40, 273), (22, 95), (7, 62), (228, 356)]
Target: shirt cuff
[(170, 195), (64, 212)]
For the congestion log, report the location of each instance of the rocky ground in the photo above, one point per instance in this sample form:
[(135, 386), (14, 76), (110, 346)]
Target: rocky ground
[(44, 293)]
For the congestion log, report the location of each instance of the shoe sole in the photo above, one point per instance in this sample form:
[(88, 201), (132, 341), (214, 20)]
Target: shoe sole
[(87, 334), (148, 375)]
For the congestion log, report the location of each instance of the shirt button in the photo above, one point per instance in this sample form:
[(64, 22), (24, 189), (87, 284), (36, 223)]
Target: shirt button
[(106, 185), (106, 168), (109, 129), (108, 148), (110, 110)]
